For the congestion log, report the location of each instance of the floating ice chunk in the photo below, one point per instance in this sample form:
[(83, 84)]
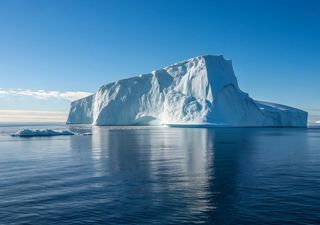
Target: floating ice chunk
[(41, 133)]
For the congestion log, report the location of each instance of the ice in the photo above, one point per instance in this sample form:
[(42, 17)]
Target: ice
[(41, 133), (202, 90)]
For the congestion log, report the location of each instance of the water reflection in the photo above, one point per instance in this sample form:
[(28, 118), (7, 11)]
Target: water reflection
[(145, 175), (153, 168), (182, 175)]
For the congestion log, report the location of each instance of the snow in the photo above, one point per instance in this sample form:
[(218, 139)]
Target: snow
[(202, 90), (41, 133)]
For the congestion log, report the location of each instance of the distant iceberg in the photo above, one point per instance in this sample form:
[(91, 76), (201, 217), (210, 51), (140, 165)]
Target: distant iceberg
[(203, 91), (41, 133)]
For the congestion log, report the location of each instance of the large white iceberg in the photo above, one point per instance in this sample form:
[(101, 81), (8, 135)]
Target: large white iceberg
[(202, 91)]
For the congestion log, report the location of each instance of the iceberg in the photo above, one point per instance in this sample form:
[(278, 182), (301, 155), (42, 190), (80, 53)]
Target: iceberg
[(201, 91), (41, 133)]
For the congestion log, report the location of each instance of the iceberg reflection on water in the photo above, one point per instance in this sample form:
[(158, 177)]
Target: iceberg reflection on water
[(161, 175)]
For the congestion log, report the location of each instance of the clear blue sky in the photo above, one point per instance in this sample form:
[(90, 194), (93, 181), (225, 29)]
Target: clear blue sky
[(73, 45)]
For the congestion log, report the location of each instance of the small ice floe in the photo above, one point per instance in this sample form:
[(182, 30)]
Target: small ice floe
[(41, 133), (86, 134)]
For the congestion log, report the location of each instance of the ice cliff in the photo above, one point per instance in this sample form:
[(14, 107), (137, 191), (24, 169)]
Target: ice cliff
[(202, 90)]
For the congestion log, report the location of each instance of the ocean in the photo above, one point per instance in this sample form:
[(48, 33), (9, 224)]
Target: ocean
[(160, 175)]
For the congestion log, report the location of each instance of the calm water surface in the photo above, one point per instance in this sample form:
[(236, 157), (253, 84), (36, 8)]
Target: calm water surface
[(145, 175)]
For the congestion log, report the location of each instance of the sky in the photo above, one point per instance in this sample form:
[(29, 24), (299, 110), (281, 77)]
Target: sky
[(55, 51)]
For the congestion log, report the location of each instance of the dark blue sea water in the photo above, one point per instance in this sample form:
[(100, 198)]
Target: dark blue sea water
[(158, 175)]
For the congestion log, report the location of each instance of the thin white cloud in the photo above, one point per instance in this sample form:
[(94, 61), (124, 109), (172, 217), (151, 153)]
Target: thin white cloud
[(43, 94), (314, 119), (7, 115)]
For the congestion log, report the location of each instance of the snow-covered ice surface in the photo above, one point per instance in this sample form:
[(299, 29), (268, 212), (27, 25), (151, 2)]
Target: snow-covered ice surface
[(199, 91), (41, 133)]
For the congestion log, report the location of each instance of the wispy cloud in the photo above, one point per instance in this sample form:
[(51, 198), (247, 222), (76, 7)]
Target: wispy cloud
[(32, 116), (314, 119), (43, 94)]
